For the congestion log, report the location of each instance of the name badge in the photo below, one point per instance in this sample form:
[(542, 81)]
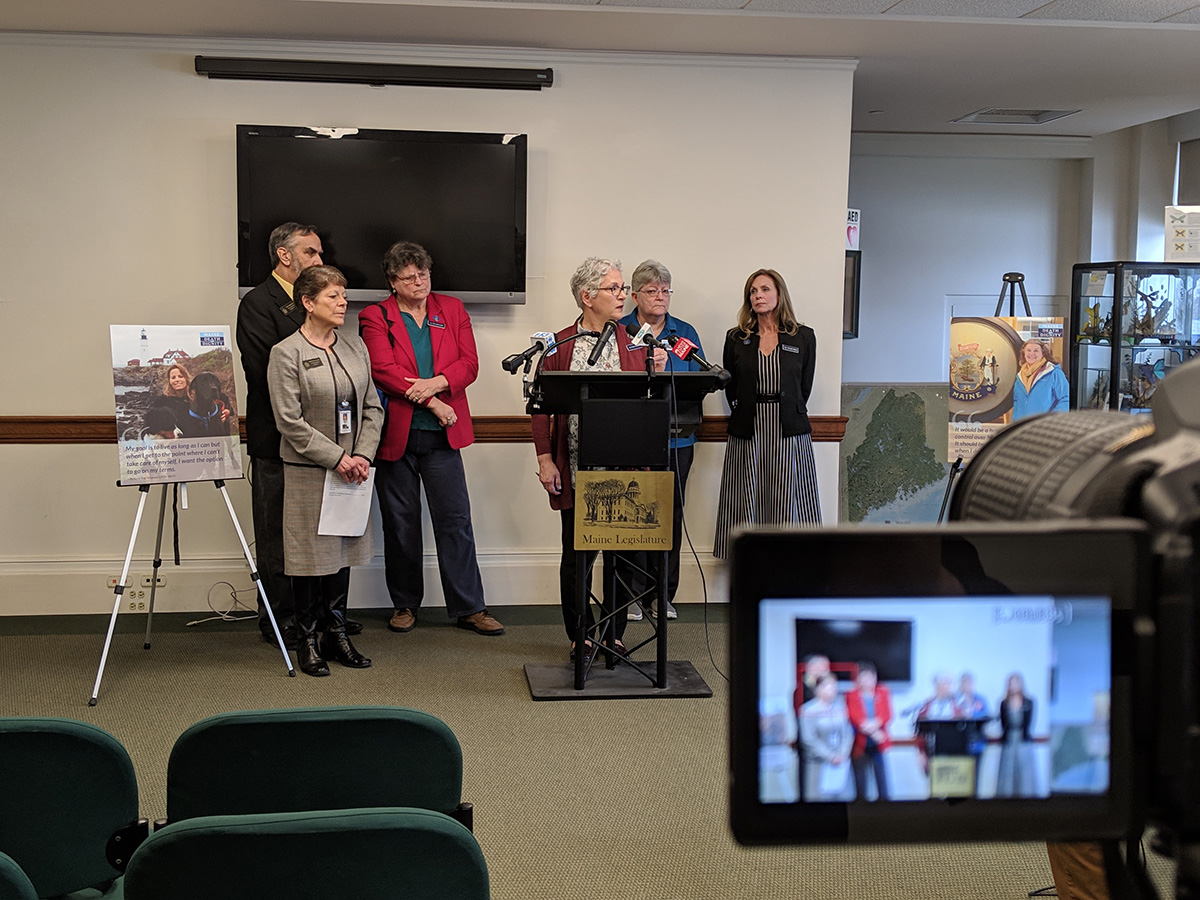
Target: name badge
[(344, 417), (788, 348), (435, 323), (632, 347), (313, 363)]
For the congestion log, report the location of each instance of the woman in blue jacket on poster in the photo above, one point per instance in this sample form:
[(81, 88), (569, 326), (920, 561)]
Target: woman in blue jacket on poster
[(1041, 385)]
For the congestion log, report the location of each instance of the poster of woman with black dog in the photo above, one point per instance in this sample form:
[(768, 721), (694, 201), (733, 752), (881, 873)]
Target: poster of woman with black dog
[(176, 403)]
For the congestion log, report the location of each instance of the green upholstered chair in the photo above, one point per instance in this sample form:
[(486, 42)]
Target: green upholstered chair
[(293, 760), (69, 807), (356, 854), (14, 883)]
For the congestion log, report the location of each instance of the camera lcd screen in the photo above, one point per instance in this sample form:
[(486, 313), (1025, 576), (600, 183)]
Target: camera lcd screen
[(939, 684)]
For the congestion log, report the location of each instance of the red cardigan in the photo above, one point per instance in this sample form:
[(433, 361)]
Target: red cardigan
[(454, 356), (550, 432), (858, 715)]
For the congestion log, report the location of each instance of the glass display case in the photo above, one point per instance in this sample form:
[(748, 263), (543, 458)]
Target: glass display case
[(1131, 324)]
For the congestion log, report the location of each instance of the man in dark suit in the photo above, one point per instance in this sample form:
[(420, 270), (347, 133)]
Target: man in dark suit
[(267, 315)]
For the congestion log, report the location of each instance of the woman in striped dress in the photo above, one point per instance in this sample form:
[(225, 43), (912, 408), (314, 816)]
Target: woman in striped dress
[(770, 476)]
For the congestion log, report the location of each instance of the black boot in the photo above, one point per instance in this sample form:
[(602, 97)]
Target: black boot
[(306, 590), (308, 657), (337, 647)]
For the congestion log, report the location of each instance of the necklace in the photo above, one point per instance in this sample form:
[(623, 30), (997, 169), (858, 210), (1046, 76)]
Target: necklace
[(323, 344)]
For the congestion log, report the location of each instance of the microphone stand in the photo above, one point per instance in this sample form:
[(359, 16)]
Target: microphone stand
[(955, 468), (649, 365), (525, 385)]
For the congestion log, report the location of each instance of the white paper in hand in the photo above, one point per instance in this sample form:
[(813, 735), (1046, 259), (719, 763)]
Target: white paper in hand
[(345, 508)]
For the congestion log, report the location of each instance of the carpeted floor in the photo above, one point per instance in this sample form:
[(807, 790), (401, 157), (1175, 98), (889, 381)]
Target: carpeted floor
[(617, 800)]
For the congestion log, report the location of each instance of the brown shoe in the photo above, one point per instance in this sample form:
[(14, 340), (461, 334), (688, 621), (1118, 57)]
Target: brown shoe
[(403, 621), (482, 623)]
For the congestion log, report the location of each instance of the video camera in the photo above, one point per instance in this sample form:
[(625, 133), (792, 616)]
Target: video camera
[(1062, 596)]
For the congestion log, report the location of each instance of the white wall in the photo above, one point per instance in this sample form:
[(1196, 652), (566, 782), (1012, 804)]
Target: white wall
[(117, 172), (1155, 172), (944, 217), (1107, 199), (937, 236)]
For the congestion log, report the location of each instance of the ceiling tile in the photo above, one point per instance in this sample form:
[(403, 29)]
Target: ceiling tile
[(1110, 10), (823, 7), (677, 4), (546, 2), (1187, 17), (984, 9)]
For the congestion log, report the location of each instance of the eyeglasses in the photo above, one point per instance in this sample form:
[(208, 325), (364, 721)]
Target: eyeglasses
[(423, 275), (614, 289), (665, 293)]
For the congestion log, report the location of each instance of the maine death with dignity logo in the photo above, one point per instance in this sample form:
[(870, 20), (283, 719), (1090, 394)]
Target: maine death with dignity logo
[(623, 510), (176, 403), (999, 368)]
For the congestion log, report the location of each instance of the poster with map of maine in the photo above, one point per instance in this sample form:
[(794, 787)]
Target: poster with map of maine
[(893, 457)]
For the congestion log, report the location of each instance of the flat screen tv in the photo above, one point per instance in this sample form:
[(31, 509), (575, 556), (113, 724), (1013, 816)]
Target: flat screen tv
[(886, 644), (460, 195)]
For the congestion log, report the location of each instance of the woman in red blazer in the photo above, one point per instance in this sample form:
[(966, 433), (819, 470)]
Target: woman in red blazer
[(423, 358), (869, 707)]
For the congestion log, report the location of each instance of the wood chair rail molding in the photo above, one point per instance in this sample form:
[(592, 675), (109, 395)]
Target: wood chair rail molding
[(488, 429)]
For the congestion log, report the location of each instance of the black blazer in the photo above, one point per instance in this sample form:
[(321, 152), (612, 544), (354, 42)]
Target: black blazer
[(1026, 719), (797, 365), (265, 317)]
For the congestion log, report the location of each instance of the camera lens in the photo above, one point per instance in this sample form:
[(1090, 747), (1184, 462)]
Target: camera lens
[(1054, 466)]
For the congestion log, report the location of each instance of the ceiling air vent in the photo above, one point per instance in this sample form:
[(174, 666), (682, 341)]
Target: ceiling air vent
[(999, 115)]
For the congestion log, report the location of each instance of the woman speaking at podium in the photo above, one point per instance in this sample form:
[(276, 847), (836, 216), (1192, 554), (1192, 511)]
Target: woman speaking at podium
[(330, 417), (599, 289), (770, 476)]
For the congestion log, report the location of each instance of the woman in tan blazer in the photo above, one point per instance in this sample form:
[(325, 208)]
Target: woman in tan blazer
[(330, 417)]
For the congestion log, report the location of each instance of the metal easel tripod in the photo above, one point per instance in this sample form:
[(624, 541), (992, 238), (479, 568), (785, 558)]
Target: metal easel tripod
[(119, 588), (1012, 281)]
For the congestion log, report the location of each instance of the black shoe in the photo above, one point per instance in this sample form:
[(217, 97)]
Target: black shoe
[(291, 637), (308, 659), (337, 647), (589, 650), (353, 628), (618, 646)]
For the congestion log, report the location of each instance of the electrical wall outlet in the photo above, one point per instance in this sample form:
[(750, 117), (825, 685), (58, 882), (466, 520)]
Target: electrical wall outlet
[(114, 580), (149, 581)]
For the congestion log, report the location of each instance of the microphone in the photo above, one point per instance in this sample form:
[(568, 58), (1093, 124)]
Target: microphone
[(643, 335), (539, 341), (544, 340), (686, 350), (606, 333)]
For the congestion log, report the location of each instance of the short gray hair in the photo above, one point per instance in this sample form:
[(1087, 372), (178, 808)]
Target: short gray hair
[(285, 236), (649, 272), (589, 275)]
